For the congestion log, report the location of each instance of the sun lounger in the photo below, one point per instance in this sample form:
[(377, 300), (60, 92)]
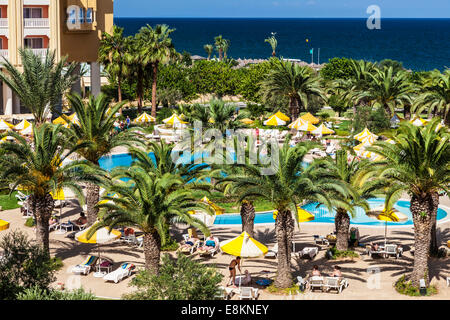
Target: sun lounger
[(316, 283), (86, 266), (335, 283), (321, 240), (302, 283), (272, 253), (189, 249), (391, 250), (204, 251), (122, 272), (309, 252), (224, 293), (248, 293)]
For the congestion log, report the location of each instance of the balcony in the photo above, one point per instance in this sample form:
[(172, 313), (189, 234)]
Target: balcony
[(3, 23), (40, 52), (38, 23), (4, 53)]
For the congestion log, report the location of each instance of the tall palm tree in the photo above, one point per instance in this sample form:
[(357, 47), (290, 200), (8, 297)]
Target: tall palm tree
[(298, 83), (220, 43), (273, 43), (112, 53), (157, 48), (95, 128), (436, 96), (209, 48), (226, 47), (290, 185), (149, 205), (41, 169), (41, 84), (419, 164), (359, 190), (389, 90)]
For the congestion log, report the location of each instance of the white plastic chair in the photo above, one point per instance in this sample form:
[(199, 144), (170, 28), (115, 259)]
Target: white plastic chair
[(120, 273), (316, 283), (248, 293)]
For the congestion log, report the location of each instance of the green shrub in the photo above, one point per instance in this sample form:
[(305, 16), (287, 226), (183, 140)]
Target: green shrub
[(36, 293), (337, 68), (405, 287), (342, 133), (178, 279), (56, 263), (25, 265), (334, 254), (30, 223)]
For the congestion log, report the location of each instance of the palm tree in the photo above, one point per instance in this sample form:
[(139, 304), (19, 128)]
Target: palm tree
[(359, 190), (225, 47), (209, 48), (290, 185), (41, 84), (95, 128), (157, 48), (418, 163), (389, 90), (223, 116), (220, 43), (273, 43), (436, 96), (298, 83), (41, 169), (149, 205), (112, 52)]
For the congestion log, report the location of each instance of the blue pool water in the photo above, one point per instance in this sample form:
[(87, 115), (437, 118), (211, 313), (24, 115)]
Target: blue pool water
[(322, 215)]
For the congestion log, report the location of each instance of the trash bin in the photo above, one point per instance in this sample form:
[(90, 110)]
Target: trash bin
[(423, 287)]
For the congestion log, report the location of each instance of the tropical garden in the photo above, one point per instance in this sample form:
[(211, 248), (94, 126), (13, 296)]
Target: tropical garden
[(154, 193)]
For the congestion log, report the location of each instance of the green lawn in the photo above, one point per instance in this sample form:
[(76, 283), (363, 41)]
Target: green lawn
[(8, 202)]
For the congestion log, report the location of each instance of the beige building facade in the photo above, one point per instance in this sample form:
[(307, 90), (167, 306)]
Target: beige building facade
[(72, 28)]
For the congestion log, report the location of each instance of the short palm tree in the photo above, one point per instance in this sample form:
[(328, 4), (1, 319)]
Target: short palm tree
[(289, 186), (418, 164), (95, 128), (112, 53), (273, 43), (149, 205), (389, 90), (209, 48), (223, 116), (41, 169), (290, 80), (220, 43), (436, 97), (41, 84)]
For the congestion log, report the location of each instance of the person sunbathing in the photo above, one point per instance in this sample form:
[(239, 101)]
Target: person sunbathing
[(82, 220), (52, 221), (316, 272), (336, 272), (189, 243), (375, 246), (245, 279), (210, 244)]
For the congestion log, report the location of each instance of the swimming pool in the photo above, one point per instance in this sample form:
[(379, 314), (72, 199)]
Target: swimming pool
[(322, 215)]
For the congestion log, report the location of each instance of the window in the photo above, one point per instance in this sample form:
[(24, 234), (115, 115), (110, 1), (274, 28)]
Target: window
[(1, 43), (32, 13), (81, 15), (34, 43), (90, 15)]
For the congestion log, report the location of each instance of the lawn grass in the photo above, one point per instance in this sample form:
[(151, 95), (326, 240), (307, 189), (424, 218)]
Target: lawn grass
[(9, 202)]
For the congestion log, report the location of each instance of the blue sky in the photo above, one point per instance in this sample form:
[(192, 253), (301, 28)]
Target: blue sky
[(281, 8)]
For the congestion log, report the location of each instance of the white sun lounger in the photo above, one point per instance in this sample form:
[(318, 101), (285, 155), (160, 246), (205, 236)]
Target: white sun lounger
[(316, 283), (122, 272), (86, 266), (334, 283), (248, 293), (272, 253)]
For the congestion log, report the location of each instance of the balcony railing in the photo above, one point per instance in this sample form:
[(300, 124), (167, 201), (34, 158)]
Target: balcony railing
[(40, 52), (4, 53), (36, 23), (3, 22)]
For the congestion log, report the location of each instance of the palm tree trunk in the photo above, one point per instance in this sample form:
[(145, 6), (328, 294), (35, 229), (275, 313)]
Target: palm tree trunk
[(92, 198), (155, 80), (42, 209), (119, 87), (422, 211), (248, 217), (342, 223), (434, 246), (293, 107), (220, 54), (407, 112), (152, 250), (284, 227)]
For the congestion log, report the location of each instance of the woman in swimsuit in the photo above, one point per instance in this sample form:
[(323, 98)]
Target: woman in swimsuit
[(232, 268)]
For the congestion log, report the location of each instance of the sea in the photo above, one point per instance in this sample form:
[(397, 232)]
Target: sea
[(420, 44)]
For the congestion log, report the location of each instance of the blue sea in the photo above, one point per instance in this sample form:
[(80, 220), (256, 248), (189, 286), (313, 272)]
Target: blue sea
[(421, 44)]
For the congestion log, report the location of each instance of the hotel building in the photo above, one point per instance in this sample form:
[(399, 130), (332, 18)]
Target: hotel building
[(72, 28)]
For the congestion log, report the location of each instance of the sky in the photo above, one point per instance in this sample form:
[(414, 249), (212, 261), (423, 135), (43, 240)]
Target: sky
[(281, 8)]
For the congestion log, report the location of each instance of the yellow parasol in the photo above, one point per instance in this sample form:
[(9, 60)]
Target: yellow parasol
[(303, 215), (22, 125), (5, 126), (282, 116), (4, 225), (302, 125), (274, 121), (174, 119), (244, 246), (418, 122), (247, 121), (366, 135), (145, 118), (392, 215), (322, 130), (60, 120), (310, 118)]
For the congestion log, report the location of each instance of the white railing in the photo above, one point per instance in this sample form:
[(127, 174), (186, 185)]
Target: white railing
[(40, 52), (36, 23), (4, 53), (3, 22)]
